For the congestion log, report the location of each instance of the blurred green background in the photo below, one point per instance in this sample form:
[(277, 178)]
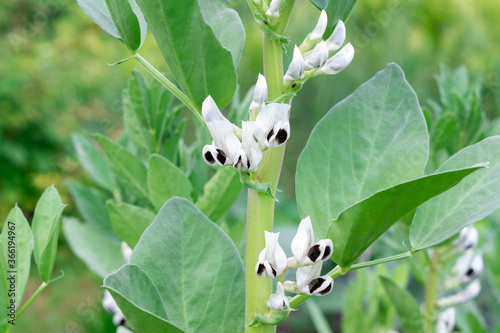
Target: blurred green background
[(54, 80)]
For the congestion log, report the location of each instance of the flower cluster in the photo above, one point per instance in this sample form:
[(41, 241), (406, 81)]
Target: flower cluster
[(463, 283), (269, 127), (315, 56), (308, 259)]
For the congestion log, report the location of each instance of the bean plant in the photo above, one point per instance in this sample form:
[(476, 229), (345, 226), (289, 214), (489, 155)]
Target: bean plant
[(159, 221)]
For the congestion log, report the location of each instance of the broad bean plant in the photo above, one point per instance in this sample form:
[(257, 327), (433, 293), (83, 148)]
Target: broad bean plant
[(158, 224)]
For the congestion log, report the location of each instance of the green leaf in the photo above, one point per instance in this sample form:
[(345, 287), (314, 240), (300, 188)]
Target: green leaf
[(93, 162), (139, 300), (406, 306), (199, 275), (98, 11), (472, 200), (360, 225), (336, 10), (374, 139), (91, 203), (272, 318), (22, 238), (46, 222), (226, 25), (101, 254), (165, 181), (220, 193), (126, 23), (128, 168), (195, 57), (129, 221)]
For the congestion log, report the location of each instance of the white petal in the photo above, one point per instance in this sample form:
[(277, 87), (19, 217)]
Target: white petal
[(274, 9), (306, 274), (446, 321), (119, 319), (274, 253), (319, 30), (337, 38), (339, 61), (259, 93), (318, 56), (303, 240), (272, 127), (467, 239), (249, 148), (109, 304), (210, 111), (224, 139), (321, 286), (470, 292), (320, 251), (296, 69), (122, 329), (469, 266), (126, 251), (210, 155), (279, 301), (241, 162)]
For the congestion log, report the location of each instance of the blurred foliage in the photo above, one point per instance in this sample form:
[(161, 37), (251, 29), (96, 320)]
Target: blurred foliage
[(54, 80)]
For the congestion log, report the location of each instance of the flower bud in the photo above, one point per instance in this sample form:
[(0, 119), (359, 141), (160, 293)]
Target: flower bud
[(296, 69), (317, 34), (274, 9), (339, 61), (337, 38), (279, 301)]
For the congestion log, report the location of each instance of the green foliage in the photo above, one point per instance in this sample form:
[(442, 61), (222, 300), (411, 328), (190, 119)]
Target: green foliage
[(336, 10), (129, 221)]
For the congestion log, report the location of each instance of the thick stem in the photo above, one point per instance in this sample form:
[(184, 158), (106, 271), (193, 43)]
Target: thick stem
[(431, 293)]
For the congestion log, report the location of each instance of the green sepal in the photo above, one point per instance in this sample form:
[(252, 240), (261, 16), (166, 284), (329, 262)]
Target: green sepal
[(249, 181), (274, 317)]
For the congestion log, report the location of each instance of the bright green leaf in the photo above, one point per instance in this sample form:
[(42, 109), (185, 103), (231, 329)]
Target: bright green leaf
[(128, 168), (406, 306), (472, 200), (101, 254), (93, 162), (199, 275), (129, 221), (126, 23), (360, 225), (46, 222), (220, 193), (139, 300), (165, 181), (195, 57), (374, 139), (336, 10)]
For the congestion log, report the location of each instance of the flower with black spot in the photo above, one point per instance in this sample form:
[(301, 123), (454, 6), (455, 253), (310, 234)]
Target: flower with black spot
[(305, 250), (272, 259)]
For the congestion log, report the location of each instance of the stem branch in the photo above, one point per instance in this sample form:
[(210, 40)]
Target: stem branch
[(31, 299)]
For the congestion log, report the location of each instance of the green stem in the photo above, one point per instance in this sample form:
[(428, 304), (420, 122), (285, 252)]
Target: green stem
[(170, 86), (31, 299), (431, 293), (337, 271)]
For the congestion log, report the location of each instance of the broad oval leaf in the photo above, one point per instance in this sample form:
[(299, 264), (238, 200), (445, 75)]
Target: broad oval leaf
[(192, 51), (360, 225), (406, 306), (139, 300), (199, 275), (472, 200), (374, 139), (45, 225)]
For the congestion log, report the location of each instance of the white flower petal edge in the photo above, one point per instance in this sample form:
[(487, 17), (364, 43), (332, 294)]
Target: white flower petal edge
[(310, 282), (296, 69), (318, 31), (305, 250), (259, 94), (272, 259), (467, 239), (339, 61), (469, 266), (272, 128), (337, 38), (465, 295), (279, 301), (250, 155), (446, 321), (317, 57)]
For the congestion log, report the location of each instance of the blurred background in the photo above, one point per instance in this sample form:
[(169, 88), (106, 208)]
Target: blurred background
[(54, 80)]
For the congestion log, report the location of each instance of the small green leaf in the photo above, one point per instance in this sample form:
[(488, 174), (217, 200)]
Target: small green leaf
[(22, 238), (165, 181), (336, 10), (406, 306), (128, 168), (126, 23), (139, 300), (199, 275), (46, 222), (272, 318), (472, 200), (360, 225), (129, 221), (220, 193), (374, 139), (101, 254), (249, 182), (93, 162)]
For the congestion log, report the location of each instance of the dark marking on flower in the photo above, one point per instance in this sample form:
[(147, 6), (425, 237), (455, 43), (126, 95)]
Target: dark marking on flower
[(315, 284), (284, 304), (470, 272), (274, 271), (248, 164), (281, 136), (314, 253), (326, 290), (327, 253), (270, 134), (221, 157), (209, 157), (261, 269)]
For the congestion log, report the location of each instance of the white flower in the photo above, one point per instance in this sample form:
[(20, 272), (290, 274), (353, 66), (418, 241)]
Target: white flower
[(339, 61), (317, 57), (250, 155), (259, 94), (126, 251), (446, 321), (123, 329), (305, 250), (272, 127), (296, 69), (465, 295), (310, 282), (272, 259), (226, 145), (279, 301), (317, 34), (337, 38), (274, 9), (467, 239), (110, 305), (469, 266)]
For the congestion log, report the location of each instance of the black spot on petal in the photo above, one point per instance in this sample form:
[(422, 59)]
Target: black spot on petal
[(470, 272), (326, 290), (123, 321), (274, 271), (281, 136), (209, 157), (315, 284), (261, 269), (248, 164), (270, 134), (314, 253), (327, 253), (221, 157)]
